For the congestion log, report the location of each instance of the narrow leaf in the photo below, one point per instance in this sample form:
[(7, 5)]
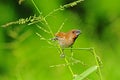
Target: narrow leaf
[(86, 73)]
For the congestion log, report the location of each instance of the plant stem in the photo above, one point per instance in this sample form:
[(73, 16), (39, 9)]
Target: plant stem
[(36, 6), (49, 27), (97, 63), (69, 67), (64, 6), (78, 48)]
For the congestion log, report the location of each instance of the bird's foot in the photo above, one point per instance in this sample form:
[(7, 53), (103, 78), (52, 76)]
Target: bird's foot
[(62, 55)]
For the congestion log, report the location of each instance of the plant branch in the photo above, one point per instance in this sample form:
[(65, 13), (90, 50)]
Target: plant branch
[(36, 6), (97, 62)]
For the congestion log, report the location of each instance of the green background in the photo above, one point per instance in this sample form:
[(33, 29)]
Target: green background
[(23, 56)]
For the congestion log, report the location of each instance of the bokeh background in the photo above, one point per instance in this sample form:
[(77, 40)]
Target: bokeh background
[(23, 56)]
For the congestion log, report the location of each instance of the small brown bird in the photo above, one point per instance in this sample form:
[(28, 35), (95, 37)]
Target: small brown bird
[(67, 39)]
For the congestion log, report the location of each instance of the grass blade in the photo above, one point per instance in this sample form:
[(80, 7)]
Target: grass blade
[(86, 73)]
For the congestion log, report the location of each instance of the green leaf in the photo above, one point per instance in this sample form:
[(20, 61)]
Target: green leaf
[(86, 73)]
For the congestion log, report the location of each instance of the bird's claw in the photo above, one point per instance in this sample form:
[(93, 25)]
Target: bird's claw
[(62, 55)]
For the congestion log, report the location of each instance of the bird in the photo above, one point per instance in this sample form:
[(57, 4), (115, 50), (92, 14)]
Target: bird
[(67, 39)]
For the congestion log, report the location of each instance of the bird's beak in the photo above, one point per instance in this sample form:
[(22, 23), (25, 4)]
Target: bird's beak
[(78, 32)]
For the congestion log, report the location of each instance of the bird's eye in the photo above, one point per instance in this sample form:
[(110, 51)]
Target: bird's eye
[(73, 32)]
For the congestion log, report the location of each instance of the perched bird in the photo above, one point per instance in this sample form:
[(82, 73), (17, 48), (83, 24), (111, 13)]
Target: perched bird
[(67, 39)]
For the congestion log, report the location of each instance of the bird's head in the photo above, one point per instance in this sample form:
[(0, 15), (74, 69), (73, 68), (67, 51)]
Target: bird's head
[(73, 34)]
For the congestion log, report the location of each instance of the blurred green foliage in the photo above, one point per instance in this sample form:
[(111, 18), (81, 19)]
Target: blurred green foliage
[(23, 56)]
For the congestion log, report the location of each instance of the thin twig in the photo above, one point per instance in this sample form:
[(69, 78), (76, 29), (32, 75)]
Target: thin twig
[(63, 7), (78, 48), (42, 38), (97, 63), (36, 7), (61, 26), (42, 29)]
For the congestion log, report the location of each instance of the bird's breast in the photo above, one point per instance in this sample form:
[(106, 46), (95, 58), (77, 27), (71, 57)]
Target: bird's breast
[(64, 43)]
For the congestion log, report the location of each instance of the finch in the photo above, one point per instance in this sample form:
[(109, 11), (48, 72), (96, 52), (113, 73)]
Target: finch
[(66, 40)]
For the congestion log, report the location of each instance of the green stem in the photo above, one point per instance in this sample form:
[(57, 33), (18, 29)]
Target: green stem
[(52, 12), (78, 48), (49, 28), (69, 67), (43, 18), (97, 63), (36, 6), (64, 6)]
